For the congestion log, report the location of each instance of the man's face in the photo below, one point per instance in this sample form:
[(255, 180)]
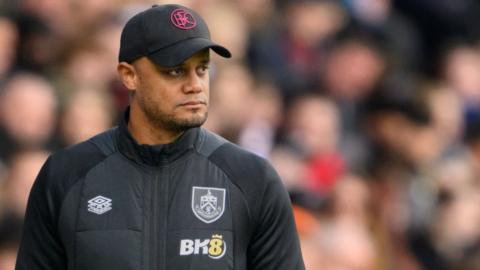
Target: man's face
[(175, 98)]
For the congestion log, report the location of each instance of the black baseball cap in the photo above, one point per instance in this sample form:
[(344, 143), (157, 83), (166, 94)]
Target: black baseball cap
[(166, 34)]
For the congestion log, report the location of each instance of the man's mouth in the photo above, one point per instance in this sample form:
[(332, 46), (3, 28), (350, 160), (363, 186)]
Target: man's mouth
[(193, 104)]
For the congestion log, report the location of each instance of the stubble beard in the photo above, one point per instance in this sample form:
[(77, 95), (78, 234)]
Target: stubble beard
[(169, 121)]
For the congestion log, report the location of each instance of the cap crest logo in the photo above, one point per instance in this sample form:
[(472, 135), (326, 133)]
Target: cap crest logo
[(183, 19)]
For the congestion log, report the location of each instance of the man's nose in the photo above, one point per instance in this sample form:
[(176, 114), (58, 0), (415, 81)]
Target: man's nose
[(194, 83)]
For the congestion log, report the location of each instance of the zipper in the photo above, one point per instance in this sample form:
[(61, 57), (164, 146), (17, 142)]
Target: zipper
[(159, 220), (164, 232), (153, 228)]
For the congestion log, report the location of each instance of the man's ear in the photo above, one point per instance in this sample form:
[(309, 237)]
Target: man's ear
[(128, 75)]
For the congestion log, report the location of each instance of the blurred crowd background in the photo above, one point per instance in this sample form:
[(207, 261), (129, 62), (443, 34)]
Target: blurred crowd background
[(368, 109)]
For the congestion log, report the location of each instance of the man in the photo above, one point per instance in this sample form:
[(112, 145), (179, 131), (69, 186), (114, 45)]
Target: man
[(158, 192)]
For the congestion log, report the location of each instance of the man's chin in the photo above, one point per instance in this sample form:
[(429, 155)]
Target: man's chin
[(189, 122)]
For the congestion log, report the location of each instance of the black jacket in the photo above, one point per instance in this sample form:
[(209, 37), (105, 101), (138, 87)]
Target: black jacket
[(198, 203)]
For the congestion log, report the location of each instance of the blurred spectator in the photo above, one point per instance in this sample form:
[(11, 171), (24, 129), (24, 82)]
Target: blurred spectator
[(386, 24), (457, 234), (313, 126), (22, 170), (294, 55), (89, 62), (347, 247), (309, 229), (438, 22), (264, 118), (454, 231), (87, 66), (87, 14), (290, 166), (259, 14), (230, 28), (8, 46), (391, 124), (86, 114), (402, 149), (38, 44), (56, 14), (354, 68), (27, 113), (346, 239), (461, 69), (10, 233), (472, 138), (351, 201), (445, 107), (228, 115)]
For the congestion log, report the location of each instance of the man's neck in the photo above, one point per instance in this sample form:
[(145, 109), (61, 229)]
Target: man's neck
[(146, 133)]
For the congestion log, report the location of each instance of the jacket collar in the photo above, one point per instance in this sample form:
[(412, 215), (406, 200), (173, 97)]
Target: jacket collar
[(154, 155)]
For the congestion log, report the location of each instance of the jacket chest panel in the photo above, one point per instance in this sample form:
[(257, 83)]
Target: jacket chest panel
[(109, 225), (200, 231), (146, 218)]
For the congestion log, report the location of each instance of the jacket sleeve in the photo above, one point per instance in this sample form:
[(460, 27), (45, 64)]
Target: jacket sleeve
[(275, 243), (41, 248)]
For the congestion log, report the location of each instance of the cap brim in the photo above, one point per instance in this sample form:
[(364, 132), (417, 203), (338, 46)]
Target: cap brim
[(179, 52)]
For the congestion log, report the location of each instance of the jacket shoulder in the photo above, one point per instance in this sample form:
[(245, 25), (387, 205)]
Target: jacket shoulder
[(225, 153), (78, 157), (252, 174), (241, 162), (64, 167)]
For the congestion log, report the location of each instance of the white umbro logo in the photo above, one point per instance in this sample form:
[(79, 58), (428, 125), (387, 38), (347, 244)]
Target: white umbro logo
[(99, 205)]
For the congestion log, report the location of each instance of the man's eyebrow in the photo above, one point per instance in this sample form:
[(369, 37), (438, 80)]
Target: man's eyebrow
[(204, 61), (162, 68)]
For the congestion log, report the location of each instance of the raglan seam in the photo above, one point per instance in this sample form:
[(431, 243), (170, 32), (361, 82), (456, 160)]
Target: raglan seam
[(230, 177), (255, 219)]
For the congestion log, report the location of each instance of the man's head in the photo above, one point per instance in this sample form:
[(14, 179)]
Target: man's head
[(164, 58)]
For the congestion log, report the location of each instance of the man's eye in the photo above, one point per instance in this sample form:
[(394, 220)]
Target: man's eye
[(203, 69), (175, 72)]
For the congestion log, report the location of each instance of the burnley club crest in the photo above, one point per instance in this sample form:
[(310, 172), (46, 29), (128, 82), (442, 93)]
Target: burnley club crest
[(208, 203)]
